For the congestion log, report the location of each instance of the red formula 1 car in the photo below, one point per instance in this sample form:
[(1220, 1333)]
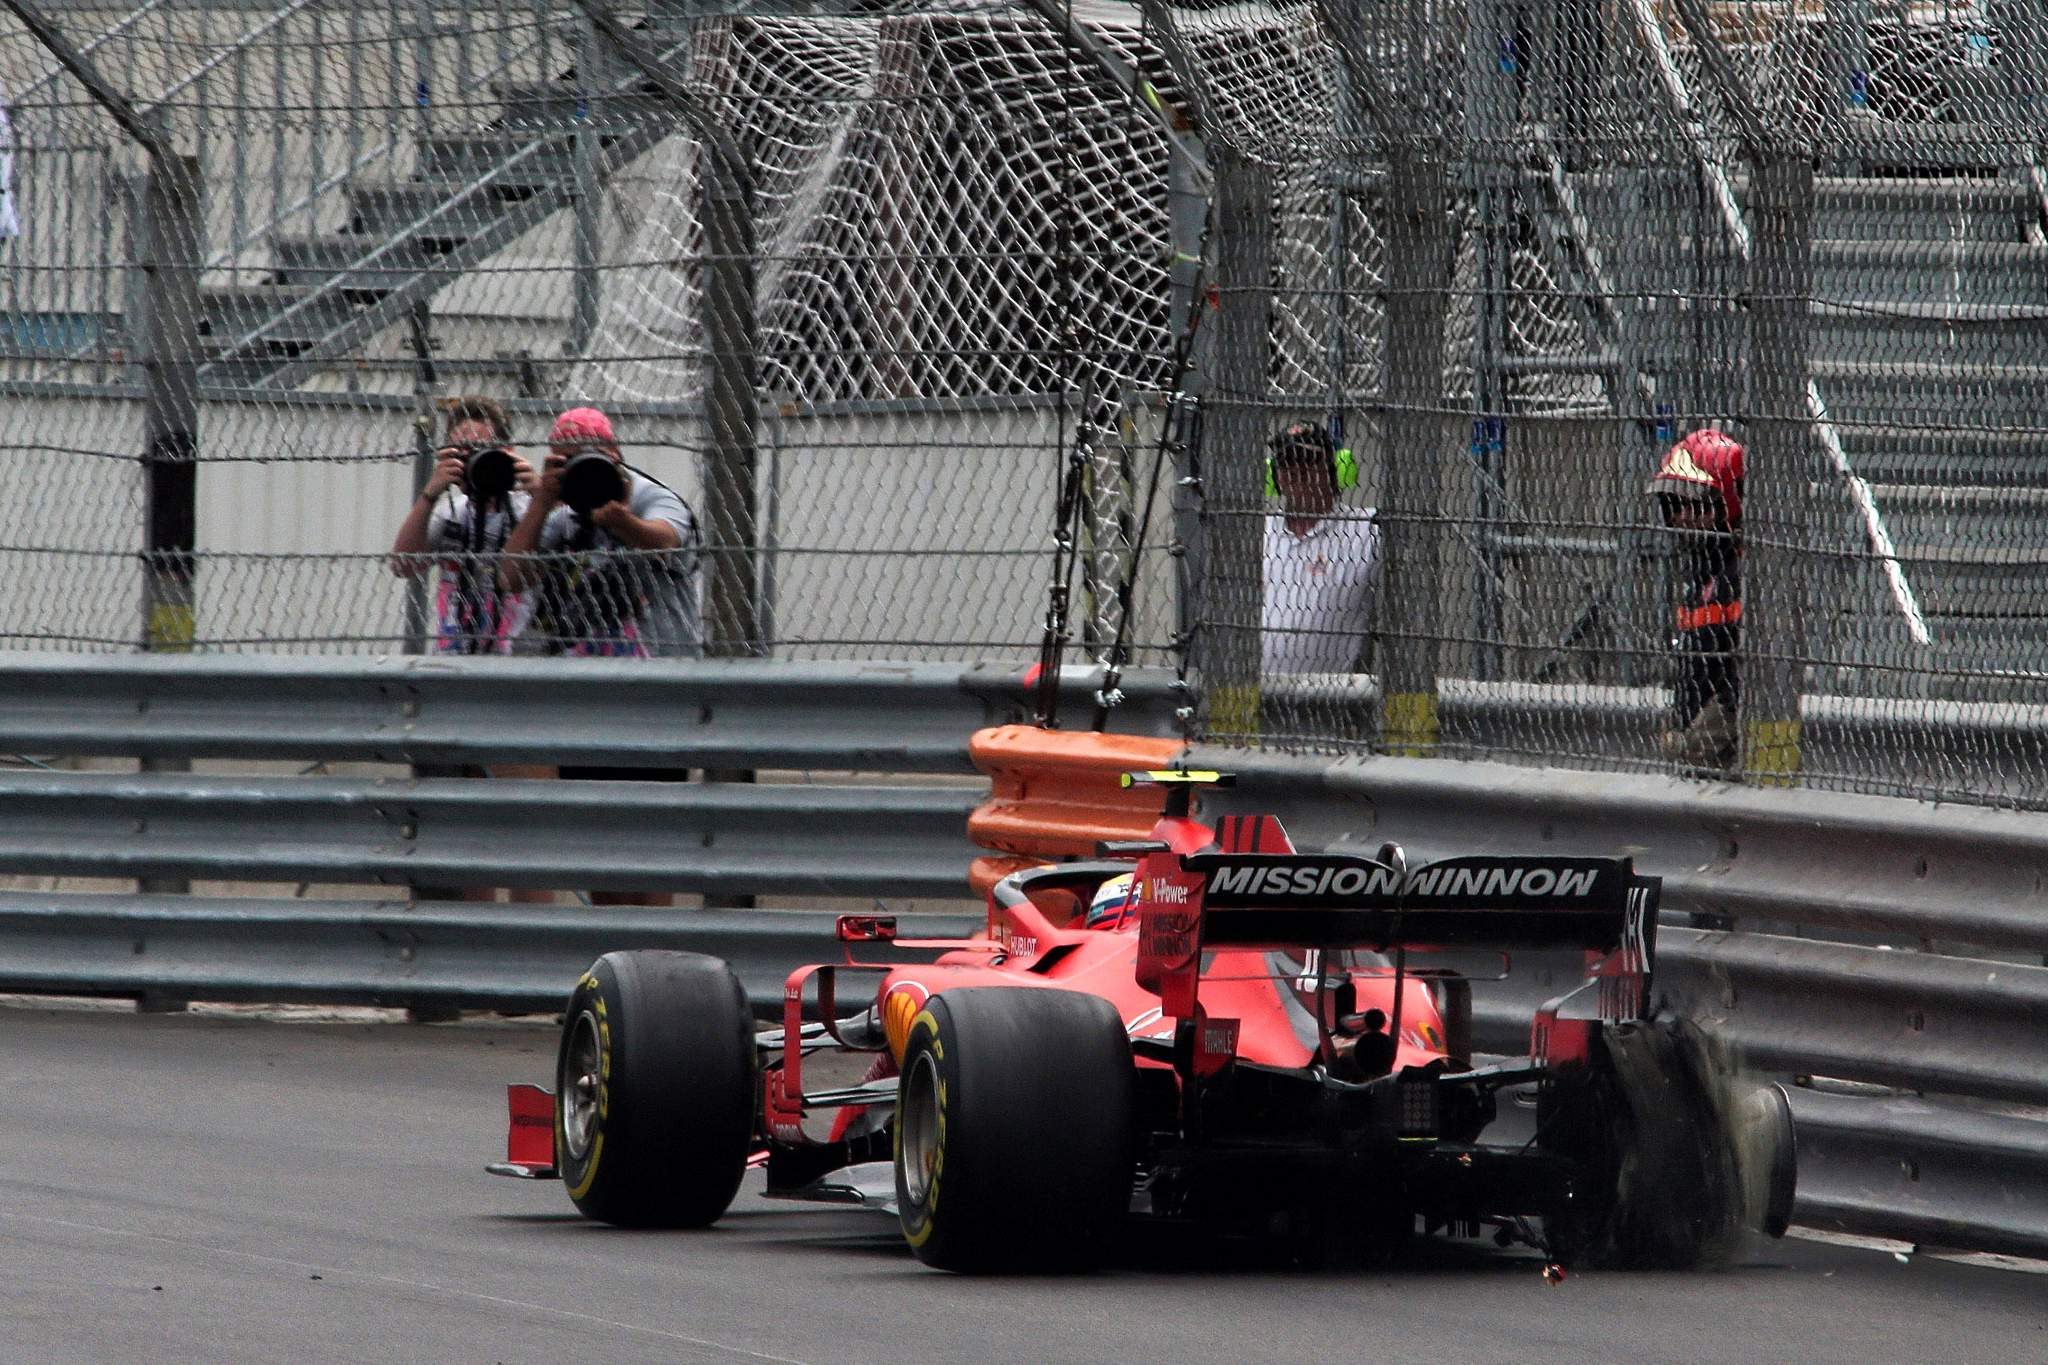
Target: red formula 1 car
[(1231, 1033)]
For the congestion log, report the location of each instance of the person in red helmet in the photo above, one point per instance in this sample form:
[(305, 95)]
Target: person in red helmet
[(1698, 488)]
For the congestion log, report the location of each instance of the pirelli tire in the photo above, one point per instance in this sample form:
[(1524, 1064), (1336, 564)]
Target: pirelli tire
[(655, 1086), (1015, 1121), (1660, 1184)]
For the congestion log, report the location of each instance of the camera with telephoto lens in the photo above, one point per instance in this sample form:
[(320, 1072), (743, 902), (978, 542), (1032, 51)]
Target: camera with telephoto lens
[(590, 480), (488, 473)]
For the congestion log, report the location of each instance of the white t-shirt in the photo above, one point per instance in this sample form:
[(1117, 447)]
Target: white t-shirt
[(453, 524), (1319, 587), (10, 218), (598, 597), (472, 615)]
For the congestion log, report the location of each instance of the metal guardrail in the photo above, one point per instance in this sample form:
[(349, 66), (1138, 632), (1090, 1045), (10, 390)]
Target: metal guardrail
[(851, 716), (1757, 858), (451, 955), (1938, 1031), (1934, 1008), (717, 838), (1921, 1172), (850, 836), (894, 718)]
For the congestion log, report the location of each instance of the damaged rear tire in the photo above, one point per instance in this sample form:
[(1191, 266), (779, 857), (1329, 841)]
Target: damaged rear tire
[(1656, 1184)]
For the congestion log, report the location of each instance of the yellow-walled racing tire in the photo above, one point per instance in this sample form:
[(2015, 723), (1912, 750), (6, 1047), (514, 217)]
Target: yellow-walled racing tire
[(1015, 1124), (655, 1090)]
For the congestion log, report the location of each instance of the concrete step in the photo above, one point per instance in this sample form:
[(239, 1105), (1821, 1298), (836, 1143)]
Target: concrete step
[(1926, 457), (250, 366), (1890, 209), (2015, 587), (1931, 393), (1968, 552), (1930, 272), (1969, 334), (1887, 148), (2015, 645), (1971, 659), (1967, 526), (1847, 208)]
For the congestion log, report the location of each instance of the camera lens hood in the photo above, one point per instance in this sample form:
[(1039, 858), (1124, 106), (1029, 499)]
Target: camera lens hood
[(590, 480), (488, 474)]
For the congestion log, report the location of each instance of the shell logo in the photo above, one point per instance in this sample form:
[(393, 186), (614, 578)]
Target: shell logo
[(899, 1008)]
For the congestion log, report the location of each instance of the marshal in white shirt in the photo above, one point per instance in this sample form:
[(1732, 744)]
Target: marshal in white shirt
[(1319, 592)]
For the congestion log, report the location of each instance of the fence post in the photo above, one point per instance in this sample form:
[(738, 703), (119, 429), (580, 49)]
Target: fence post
[(1418, 261), (167, 346), (592, 80), (1491, 167), (1780, 468), (167, 251), (419, 628), (170, 341), (1187, 216), (1235, 388), (731, 405)]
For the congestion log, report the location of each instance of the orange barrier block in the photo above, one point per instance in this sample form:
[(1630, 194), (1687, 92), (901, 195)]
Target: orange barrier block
[(1057, 793)]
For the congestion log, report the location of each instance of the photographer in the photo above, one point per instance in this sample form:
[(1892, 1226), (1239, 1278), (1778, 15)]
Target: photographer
[(475, 467), (610, 554), (475, 494)]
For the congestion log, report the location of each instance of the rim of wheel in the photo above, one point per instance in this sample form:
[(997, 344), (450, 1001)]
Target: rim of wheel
[(582, 1063), (919, 1117)]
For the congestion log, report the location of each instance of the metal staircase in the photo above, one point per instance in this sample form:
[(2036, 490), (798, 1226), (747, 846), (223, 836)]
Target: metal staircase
[(403, 240), (1931, 344)]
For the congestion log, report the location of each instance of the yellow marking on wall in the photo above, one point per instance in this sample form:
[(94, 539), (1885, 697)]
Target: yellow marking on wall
[(1410, 720), (1771, 752), (171, 628)]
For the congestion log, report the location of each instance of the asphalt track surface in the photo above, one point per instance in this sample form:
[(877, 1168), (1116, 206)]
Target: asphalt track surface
[(209, 1188)]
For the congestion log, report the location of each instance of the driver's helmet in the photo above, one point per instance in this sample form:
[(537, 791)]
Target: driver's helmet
[(1111, 900), (1706, 464)]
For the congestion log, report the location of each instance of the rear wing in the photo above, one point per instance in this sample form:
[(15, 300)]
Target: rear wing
[(1191, 904), (1346, 901)]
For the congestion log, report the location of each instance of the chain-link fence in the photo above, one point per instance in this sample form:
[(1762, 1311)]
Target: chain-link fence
[(1509, 255), (1339, 343), (822, 265)]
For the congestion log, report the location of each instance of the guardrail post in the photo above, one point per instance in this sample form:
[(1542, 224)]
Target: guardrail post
[(1418, 265), (1233, 444), (1780, 468), (169, 260)]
